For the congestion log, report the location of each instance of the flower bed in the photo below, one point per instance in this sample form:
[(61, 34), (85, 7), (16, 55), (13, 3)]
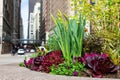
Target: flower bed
[(95, 65)]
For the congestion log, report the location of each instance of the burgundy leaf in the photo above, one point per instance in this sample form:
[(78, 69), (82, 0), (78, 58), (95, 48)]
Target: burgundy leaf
[(99, 64)]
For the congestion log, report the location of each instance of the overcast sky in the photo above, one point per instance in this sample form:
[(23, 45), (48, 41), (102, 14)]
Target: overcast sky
[(24, 13)]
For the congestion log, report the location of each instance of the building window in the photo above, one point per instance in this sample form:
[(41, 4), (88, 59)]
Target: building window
[(38, 8)]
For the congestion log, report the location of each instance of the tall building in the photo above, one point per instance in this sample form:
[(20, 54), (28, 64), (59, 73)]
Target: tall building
[(21, 29), (7, 24), (31, 22), (63, 6), (51, 7), (6, 16), (19, 17), (1, 25), (42, 34), (31, 7), (17, 21), (34, 23)]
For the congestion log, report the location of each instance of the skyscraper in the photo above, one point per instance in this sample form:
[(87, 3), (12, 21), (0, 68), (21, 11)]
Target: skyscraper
[(31, 7), (34, 23), (9, 24)]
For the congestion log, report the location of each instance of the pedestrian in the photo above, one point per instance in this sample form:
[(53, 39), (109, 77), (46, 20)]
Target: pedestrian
[(13, 50)]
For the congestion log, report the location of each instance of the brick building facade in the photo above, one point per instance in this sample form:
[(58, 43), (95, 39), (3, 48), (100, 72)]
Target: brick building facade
[(51, 7), (7, 24)]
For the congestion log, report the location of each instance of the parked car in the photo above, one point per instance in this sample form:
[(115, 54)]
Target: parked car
[(32, 50), (21, 52)]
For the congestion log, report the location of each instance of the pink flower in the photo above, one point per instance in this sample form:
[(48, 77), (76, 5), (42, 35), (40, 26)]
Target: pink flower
[(75, 73), (30, 61)]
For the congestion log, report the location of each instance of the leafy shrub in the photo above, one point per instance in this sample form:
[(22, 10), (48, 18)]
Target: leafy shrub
[(43, 63), (52, 58), (52, 44), (104, 41), (101, 14), (99, 64), (93, 43), (111, 44), (74, 69), (36, 65)]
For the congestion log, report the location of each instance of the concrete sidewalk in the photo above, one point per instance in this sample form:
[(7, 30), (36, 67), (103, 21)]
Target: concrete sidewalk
[(14, 72), (9, 59)]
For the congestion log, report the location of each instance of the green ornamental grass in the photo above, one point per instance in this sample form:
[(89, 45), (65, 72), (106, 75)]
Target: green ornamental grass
[(70, 33)]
